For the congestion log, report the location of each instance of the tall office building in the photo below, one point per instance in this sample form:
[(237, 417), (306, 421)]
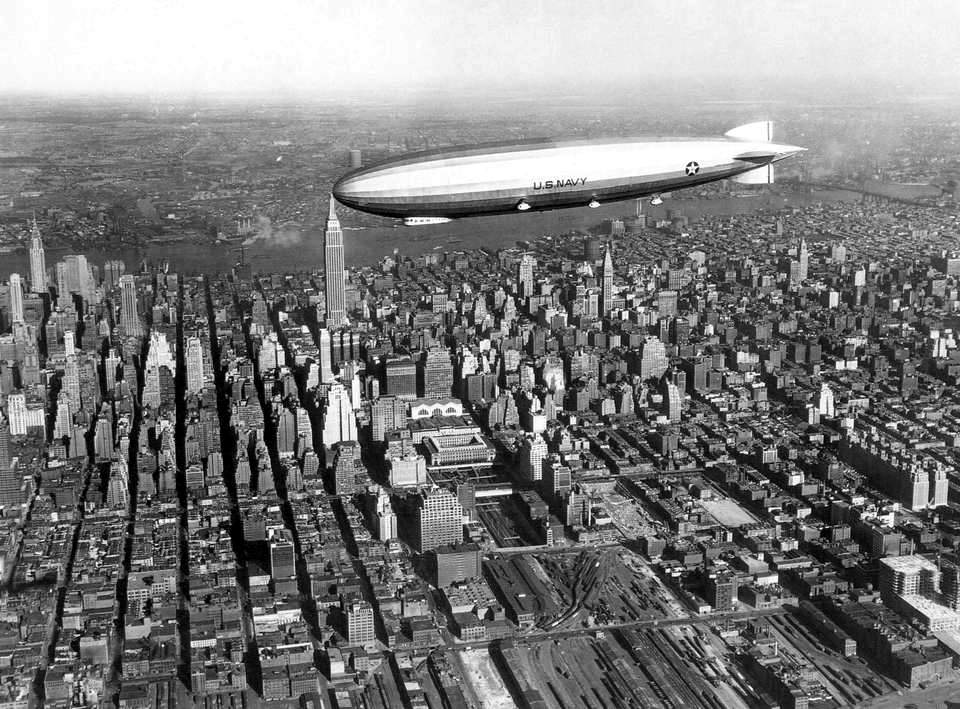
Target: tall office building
[(336, 285), (5, 456), (38, 261), (386, 517), (653, 358), (439, 517), (16, 298), (282, 557), (803, 257), (112, 270), (10, 481), (63, 423), (111, 364), (17, 414), (673, 400), (525, 275), (938, 486), (339, 421), (71, 381), (437, 374), (533, 451), (667, 301), (194, 362), (326, 354), (387, 414), (360, 628), (76, 276), (607, 281), (401, 378), (129, 318)]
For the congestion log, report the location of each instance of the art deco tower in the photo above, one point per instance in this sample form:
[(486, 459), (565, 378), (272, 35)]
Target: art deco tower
[(803, 256), (333, 268), (525, 275), (129, 318), (38, 262), (16, 298), (607, 283)]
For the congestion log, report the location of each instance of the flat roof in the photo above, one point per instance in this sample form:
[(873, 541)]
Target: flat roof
[(908, 564), (930, 609)]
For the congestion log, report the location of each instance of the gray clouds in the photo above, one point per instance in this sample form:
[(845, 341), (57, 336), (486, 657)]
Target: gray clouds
[(330, 46)]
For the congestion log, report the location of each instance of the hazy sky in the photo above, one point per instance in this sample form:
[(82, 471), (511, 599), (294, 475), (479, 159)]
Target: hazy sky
[(320, 46)]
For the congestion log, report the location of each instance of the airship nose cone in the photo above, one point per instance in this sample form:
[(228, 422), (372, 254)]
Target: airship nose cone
[(344, 191)]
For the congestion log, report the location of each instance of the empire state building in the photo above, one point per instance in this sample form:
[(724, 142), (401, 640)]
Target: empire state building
[(333, 269), (38, 262)]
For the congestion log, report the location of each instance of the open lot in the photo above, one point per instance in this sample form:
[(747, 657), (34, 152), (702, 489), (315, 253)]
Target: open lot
[(728, 512), (484, 679)]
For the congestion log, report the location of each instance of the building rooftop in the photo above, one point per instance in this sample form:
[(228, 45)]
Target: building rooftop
[(908, 564)]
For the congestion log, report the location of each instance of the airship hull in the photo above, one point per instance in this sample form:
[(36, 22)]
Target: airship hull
[(543, 175)]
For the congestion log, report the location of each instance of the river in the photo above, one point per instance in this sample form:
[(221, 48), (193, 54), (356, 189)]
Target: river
[(366, 246)]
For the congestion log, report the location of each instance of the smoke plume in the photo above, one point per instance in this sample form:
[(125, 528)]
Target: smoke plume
[(267, 233)]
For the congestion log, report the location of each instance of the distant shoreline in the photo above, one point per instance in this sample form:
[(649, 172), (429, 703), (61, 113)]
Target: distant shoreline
[(367, 245)]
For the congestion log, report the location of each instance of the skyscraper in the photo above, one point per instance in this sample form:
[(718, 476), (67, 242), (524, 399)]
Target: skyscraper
[(17, 414), (673, 400), (129, 318), (9, 480), (653, 358), (439, 520), (533, 451), (16, 298), (525, 275), (803, 256), (194, 361), (282, 557), (63, 423), (326, 367), (333, 269), (339, 421), (401, 378), (437, 374), (386, 414), (112, 270), (5, 457), (38, 261), (386, 517), (607, 281), (76, 276), (110, 365), (360, 628)]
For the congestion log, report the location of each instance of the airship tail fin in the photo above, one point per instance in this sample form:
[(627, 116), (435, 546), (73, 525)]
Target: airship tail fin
[(759, 176), (759, 131)]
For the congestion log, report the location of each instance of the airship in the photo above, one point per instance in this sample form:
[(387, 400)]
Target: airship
[(436, 186)]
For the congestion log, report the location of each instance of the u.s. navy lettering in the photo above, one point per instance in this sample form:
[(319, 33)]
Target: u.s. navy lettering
[(559, 182)]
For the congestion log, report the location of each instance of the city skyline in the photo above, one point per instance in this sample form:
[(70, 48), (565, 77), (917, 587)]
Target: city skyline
[(687, 437)]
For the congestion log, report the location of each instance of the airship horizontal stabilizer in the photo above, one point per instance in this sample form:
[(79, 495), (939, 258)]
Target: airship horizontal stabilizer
[(760, 157)]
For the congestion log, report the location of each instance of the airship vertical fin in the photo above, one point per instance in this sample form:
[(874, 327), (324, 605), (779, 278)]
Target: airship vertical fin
[(760, 131), (759, 176)]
